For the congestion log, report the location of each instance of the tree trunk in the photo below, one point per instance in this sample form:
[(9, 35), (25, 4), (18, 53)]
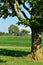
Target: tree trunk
[(36, 44)]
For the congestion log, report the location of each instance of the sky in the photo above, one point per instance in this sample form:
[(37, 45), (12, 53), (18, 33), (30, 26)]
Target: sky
[(5, 23)]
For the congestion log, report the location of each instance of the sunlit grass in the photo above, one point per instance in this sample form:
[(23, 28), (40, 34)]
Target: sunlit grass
[(16, 41)]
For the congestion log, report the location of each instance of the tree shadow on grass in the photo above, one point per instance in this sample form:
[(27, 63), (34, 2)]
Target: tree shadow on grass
[(2, 61), (13, 53)]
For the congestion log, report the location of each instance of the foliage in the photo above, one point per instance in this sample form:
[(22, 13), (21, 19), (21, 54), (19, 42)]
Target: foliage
[(36, 12), (13, 30), (24, 32), (3, 33)]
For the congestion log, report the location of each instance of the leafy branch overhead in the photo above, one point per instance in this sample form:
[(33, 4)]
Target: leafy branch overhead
[(12, 7)]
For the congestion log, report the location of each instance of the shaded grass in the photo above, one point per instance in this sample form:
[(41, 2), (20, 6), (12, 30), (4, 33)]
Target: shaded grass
[(18, 56), (16, 53)]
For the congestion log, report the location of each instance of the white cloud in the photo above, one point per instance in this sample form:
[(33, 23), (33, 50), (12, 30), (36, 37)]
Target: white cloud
[(26, 28)]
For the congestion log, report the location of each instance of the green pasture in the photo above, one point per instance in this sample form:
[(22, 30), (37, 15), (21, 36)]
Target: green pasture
[(14, 50), (16, 41)]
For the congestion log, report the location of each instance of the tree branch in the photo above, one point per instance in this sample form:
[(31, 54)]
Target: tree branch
[(15, 8)]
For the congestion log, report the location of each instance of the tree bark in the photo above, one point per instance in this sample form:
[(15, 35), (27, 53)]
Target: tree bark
[(36, 44)]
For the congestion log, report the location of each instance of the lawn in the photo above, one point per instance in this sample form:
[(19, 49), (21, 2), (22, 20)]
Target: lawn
[(14, 50)]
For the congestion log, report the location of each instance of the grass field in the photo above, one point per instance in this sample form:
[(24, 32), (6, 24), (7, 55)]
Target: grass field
[(15, 50), (15, 41)]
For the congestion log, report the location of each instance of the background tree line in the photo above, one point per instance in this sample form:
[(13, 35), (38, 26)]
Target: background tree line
[(14, 30)]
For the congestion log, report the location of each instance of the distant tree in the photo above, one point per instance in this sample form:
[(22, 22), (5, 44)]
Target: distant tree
[(24, 32), (13, 30), (2, 33)]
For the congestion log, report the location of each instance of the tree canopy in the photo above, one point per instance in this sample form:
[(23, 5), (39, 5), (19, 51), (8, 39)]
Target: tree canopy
[(12, 7), (24, 32), (13, 30)]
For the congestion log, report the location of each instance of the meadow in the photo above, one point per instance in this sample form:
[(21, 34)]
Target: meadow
[(14, 50), (22, 41), (15, 41)]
